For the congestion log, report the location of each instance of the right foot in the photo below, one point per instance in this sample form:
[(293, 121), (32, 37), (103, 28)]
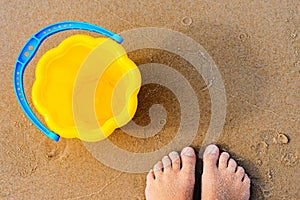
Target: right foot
[(222, 179)]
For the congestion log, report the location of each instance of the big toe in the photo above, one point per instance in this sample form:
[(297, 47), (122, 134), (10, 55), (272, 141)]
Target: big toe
[(210, 157), (188, 159)]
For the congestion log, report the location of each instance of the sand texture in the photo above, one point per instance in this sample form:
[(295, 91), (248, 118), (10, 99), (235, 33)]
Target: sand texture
[(255, 45)]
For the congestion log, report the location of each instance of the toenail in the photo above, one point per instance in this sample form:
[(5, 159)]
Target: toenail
[(173, 154), (188, 151), (225, 153), (211, 150), (157, 166)]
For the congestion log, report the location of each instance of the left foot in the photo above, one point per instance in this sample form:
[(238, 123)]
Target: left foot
[(173, 177)]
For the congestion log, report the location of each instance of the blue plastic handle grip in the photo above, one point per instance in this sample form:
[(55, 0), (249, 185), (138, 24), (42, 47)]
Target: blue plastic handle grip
[(29, 50)]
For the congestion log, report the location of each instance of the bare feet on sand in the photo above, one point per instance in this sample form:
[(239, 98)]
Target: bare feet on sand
[(174, 177)]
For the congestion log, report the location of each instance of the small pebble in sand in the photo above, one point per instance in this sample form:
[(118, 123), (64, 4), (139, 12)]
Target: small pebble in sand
[(163, 121), (281, 139), (270, 173), (243, 36), (51, 154), (259, 162), (293, 35), (187, 21)]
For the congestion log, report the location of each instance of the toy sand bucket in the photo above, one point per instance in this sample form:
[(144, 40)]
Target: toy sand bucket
[(85, 88)]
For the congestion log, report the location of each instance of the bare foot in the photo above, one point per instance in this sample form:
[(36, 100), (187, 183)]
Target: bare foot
[(222, 178), (173, 177)]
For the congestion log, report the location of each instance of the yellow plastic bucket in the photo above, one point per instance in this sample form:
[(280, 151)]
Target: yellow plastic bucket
[(59, 80)]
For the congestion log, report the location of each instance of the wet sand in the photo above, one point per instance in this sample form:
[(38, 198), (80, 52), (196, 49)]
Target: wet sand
[(256, 48)]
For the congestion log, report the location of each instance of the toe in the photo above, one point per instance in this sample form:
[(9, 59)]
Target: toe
[(246, 187), (150, 177), (223, 160), (232, 165), (158, 169), (210, 157), (175, 159), (246, 180), (188, 158), (240, 173), (166, 163)]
